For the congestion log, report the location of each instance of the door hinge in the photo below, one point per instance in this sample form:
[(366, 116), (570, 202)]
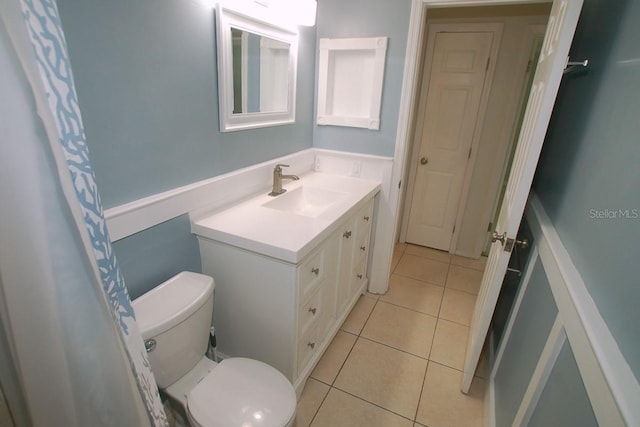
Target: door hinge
[(469, 155), (487, 67), (490, 226), (454, 229), (399, 183), (529, 64)]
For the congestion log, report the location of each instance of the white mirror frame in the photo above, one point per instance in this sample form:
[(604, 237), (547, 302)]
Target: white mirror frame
[(226, 19)]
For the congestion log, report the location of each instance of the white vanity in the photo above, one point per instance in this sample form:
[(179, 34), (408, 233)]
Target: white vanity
[(288, 269)]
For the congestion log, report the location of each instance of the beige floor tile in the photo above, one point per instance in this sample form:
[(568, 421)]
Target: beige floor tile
[(476, 264), (400, 247), (449, 344), (359, 314), (341, 409), (414, 294), (443, 404), (424, 269), (434, 254), (457, 306), (312, 396), (401, 328), (333, 358), (395, 259), (383, 376), (372, 295), (464, 279)]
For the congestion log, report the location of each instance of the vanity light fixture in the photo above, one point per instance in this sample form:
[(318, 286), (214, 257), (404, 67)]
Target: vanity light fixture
[(287, 13)]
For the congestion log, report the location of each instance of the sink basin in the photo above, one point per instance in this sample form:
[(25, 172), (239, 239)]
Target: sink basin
[(305, 201)]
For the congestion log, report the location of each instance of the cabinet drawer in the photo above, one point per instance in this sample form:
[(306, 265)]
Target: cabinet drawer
[(308, 345), (310, 273), (310, 312)]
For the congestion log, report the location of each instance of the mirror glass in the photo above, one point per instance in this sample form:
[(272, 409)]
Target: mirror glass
[(260, 73), (256, 72)]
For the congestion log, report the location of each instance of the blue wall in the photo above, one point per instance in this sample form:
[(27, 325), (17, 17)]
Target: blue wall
[(591, 163), (368, 18), (146, 77), (145, 72)]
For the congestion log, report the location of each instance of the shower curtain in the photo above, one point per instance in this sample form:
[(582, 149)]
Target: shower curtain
[(70, 350)]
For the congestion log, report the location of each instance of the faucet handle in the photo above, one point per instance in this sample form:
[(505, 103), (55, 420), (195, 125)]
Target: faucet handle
[(279, 166)]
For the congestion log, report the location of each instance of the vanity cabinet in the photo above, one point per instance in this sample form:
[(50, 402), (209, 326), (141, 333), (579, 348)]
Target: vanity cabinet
[(282, 313)]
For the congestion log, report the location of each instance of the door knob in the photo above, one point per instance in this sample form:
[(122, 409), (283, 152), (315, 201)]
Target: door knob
[(508, 242), (424, 161), (498, 237)]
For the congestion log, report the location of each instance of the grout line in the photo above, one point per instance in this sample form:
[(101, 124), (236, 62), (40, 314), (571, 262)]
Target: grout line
[(419, 280), (424, 381), (394, 348), (374, 404), (410, 309), (427, 359), (426, 282), (315, 414)]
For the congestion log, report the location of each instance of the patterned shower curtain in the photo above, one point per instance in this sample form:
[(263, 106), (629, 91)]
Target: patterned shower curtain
[(111, 353)]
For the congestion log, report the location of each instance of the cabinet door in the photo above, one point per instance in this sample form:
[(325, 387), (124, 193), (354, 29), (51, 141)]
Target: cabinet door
[(330, 285), (345, 269), (361, 249)]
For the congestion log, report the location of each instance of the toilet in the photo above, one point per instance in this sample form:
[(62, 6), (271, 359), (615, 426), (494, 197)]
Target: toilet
[(174, 320)]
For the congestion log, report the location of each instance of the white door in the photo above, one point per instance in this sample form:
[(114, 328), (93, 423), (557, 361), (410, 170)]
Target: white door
[(562, 23), (449, 118)]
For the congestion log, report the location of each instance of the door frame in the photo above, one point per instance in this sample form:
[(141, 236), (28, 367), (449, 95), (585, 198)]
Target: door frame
[(430, 31), (410, 84)]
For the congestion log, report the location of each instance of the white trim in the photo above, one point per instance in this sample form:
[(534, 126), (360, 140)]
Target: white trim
[(546, 362), (220, 191), (209, 194), (489, 413), (610, 383), (524, 284)]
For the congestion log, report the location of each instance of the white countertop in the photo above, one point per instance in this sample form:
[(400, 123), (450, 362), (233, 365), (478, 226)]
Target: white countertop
[(284, 235)]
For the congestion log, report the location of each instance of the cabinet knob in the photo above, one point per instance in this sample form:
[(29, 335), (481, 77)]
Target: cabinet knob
[(312, 311), (359, 276), (366, 218), (311, 344), (346, 234), (315, 270), (363, 248)]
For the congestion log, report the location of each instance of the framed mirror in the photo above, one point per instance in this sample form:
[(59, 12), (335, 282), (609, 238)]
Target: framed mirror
[(257, 65)]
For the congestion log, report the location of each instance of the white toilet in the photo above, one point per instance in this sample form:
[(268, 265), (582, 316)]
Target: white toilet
[(174, 320)]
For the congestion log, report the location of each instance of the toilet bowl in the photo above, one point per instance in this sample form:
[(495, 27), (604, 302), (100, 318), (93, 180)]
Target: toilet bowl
[(174, 320)]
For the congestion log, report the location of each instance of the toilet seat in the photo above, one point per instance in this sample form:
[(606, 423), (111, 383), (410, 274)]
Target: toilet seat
[(242, 392)]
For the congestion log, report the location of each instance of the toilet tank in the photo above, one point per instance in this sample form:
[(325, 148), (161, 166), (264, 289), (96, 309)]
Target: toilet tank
[(177, 315)]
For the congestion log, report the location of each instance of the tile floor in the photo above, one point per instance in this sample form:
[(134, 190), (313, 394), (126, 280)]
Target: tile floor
[(398, 358)]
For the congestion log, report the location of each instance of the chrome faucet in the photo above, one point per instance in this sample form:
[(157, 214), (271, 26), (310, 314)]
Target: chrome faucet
[(277, 179)]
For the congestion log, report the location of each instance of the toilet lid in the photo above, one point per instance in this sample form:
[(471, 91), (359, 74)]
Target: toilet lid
[(242, 392)]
